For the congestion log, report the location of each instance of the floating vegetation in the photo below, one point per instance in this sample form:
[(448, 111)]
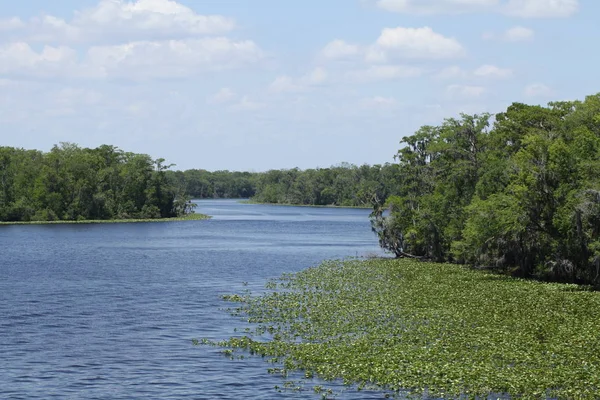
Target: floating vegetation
[(438, 330)]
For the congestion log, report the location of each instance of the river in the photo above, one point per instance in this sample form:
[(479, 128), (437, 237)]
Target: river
[(108, 311)]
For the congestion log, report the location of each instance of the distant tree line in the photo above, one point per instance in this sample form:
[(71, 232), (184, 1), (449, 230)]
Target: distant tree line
[(202, 184), (341, 185), (519, 192), (74, 183)]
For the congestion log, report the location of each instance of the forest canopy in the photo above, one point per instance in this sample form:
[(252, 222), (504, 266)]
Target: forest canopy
[(74, 183), (519, 192), (340, 185)]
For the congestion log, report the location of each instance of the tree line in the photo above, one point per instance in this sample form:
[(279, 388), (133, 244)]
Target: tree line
[(202, 184), (74, 183), (518, 192), (341, 185)]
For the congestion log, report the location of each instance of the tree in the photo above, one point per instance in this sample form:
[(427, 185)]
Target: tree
[(74, 183), (521, 197)]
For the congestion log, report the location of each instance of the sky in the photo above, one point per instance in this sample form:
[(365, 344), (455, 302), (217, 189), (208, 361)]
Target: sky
[(254, 85)]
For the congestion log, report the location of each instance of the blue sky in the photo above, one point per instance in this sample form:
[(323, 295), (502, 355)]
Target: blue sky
[(260, 84)]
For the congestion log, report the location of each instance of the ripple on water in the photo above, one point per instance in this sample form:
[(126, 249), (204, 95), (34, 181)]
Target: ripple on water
[(109, 311)]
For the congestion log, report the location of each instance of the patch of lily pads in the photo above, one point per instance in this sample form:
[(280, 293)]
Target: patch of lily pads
[(435, 330)]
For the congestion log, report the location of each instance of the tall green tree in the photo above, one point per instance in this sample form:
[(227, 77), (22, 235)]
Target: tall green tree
[(522, 197), (74, 183)]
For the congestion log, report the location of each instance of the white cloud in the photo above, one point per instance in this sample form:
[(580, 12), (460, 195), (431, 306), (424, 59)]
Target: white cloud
[(11, 24), (538, 90), (139, 39), (514, 34), (451, 72), (135, 60), (50, 29), (21, 60), (541, 8), (284, 83), (488, 35), (287, 84), (59, 112), (518, 34), (394, 44), (339, 49), (413, 43), (174, 58), (224, 95), (517, 8), (485, 71), (465, 91), (491, 71), (153, 15), (375, 55), (319, 76), (72, 96), (246, 104), (316, 77), (435, 6), (137, 109), (122, 21), (379, 102), (383, 72)]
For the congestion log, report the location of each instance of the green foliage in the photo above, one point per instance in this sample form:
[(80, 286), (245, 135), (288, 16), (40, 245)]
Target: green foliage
[(520, 197), (71, 183), (201, 184), (342, 185), (439, 329)]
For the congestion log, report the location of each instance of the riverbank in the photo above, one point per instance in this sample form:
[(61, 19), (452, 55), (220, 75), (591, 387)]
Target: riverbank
[(438, 329), (189, 217), (300, 205)]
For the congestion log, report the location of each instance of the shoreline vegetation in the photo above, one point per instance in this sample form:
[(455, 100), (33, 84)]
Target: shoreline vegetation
[(188, 217), (409, 327), (339, 185), (71, 183), (517, 192), (250, 201)]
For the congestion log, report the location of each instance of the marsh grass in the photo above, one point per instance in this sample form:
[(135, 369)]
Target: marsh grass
[(189, 217), (434, 329)]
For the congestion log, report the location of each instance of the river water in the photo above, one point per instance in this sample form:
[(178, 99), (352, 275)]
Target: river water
[(109, 311)]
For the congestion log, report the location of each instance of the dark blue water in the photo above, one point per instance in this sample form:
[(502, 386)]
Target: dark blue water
[(109, 311)]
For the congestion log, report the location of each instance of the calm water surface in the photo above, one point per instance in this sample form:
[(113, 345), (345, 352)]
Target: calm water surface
[(109, 311)]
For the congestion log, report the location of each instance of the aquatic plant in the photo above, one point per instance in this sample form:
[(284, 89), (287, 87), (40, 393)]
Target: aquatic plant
[(435, 329)]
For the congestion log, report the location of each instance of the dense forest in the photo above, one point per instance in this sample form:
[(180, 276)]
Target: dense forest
[(202, 184), (341, 185), (519, 192), (74, 183)]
